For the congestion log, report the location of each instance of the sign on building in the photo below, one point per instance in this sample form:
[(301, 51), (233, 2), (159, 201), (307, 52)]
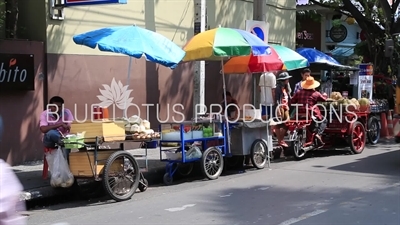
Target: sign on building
[(258, 28), (93, 2), (365, 80), (17, 72)]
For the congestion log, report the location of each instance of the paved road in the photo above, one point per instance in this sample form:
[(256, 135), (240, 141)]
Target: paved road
[(339, 189)]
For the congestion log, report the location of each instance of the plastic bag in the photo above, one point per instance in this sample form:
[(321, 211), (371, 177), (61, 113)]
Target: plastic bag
[(61, 176), (194, 153)]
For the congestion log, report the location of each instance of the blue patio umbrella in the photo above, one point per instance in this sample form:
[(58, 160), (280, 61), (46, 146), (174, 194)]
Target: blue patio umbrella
[(322, 61), (135, 42), (315, 56)]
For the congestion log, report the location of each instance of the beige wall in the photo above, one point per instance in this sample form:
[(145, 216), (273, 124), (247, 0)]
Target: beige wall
[(281, 14), (173, 19)]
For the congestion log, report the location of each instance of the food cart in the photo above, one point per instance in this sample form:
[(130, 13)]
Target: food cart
[(207, 141), (347, 127), (117, 169)]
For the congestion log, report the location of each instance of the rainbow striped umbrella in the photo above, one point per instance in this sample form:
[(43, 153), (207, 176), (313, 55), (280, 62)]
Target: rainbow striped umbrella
[(281, 58), (220, 43)]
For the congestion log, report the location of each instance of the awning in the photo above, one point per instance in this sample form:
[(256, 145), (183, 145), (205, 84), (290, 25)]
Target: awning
[(343, 51)]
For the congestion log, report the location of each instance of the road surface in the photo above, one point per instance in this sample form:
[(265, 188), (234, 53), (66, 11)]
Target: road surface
[(337, 189)]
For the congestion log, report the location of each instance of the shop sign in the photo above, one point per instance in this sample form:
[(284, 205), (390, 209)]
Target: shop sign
[(93, 2), (338, 33), (365, 81), (365, 70), (304, 35), (17, 72)]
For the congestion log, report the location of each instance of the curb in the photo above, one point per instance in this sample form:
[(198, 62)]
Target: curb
[(154, 176)]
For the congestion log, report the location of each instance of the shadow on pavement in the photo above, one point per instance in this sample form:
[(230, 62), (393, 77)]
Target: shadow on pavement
[(262, 205), (387, 163)]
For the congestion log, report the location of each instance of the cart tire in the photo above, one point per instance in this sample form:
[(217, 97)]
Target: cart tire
[(168, 180), (259, 144), (374, 130), (212, 163), (143, 185), (298, 152), (397, 139), (184, 169), (121, 176), (357, 138)]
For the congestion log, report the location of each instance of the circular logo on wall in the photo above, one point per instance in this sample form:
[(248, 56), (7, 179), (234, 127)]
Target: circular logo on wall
[(338, 33)]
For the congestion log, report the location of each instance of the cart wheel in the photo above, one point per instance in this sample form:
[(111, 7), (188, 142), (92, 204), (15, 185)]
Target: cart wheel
[(143, 185), (374, 130), (357, 138), (259, 151), (121, 176), (298, 151), (168, 179), (212, 163), (397, 139), (184, 169)]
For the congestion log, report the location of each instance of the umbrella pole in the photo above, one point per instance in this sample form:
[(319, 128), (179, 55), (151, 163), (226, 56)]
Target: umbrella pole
[(227, 134), (127, 83)]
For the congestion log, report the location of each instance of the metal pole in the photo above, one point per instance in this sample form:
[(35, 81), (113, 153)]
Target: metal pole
[(199, 71), (259, 13)]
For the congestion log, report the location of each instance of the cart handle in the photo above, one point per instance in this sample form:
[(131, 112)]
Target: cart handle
[(77, 143)]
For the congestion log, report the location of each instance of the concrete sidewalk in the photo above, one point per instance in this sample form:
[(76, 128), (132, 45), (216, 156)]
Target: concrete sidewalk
[(36, 188)]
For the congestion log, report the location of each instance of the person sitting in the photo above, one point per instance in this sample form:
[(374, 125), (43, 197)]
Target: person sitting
[(55, 122), (307, 98), (232, 111)]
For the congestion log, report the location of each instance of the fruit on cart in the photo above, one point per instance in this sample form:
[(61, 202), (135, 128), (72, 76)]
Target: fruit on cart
[(336, 96), (364, 102), (207, 132)]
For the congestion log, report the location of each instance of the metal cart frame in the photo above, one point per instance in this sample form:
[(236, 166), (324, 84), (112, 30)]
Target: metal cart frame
[(128, 164), (213, 154)]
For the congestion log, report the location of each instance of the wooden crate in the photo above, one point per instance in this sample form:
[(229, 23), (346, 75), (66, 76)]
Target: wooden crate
[(109, 130), (80, 165)]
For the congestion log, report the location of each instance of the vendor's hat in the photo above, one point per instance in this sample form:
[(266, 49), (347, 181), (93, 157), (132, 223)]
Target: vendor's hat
[(283, 76), (310, 83)]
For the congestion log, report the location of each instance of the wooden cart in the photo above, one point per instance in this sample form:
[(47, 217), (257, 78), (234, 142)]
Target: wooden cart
[(117, 169)]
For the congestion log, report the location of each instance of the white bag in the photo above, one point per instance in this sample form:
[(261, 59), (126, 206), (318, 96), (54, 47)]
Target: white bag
[(61, 176)]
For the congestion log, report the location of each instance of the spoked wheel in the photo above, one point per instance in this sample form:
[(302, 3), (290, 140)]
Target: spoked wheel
[(357, 138), (374, 130), (121, 176), (143, 185), (259, 151), (212, 163), (298, 151), (184, 169)]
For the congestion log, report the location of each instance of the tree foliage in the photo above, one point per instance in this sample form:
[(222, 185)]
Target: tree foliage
[(379, 20), (9, 17)]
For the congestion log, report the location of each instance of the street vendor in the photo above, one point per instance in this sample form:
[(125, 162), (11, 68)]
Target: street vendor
[(282, 98), (55, 122), (304, 74), (232, 111), (308, 98)]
